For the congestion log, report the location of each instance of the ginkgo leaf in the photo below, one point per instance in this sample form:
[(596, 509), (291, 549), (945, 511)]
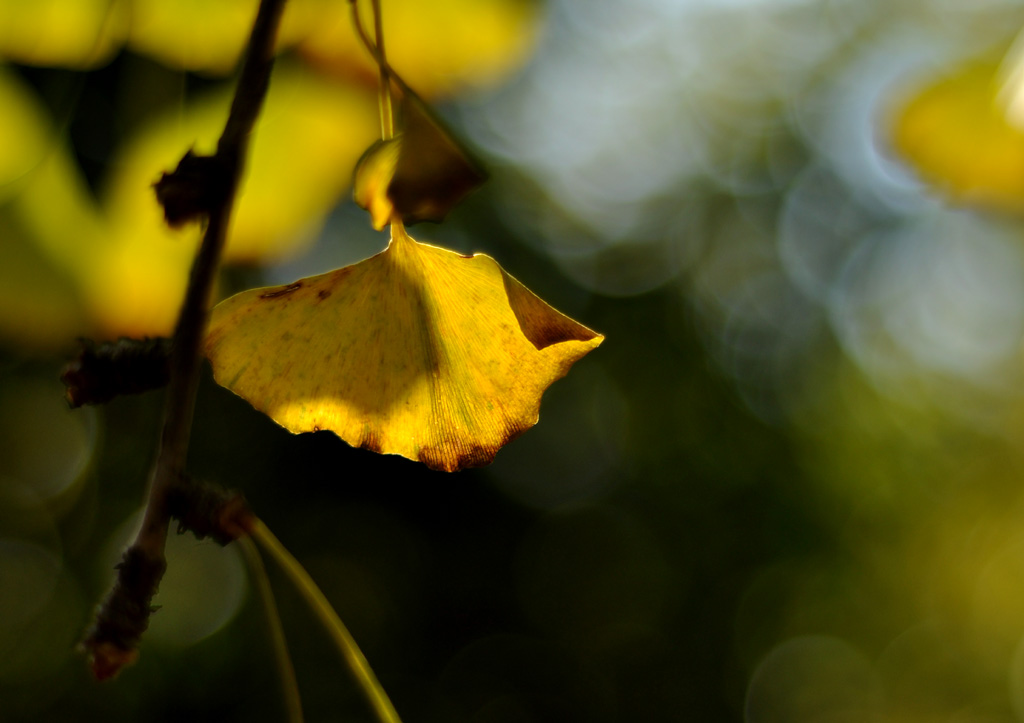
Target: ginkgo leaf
[(417, 351), (373, 175), (208, 36), (39, 304), (70, 33), (419, 175), (47, 259), (959, 135)]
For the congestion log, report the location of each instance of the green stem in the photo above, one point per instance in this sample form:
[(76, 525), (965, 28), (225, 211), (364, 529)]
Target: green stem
[(387, 74), (339, 633), (289, 683), (374, 51), (387, 117)]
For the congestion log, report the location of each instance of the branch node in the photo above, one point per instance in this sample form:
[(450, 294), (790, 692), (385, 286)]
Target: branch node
[(127, 366), (112, 641), (193, 190), (208, 510)]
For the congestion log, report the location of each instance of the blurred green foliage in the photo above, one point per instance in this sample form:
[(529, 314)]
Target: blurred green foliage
[(786, 488)]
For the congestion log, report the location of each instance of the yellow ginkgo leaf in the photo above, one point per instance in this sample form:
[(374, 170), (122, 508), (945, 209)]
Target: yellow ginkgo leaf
[(25, 134), (69, 33), (419, 175), (416, 351), (40, 308), (208, 36), (373, 176), (959, 135), (48, 260)]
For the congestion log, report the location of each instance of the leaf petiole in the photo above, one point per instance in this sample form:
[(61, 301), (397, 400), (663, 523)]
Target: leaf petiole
[(376, 49), (289, 684), (387, 116), (339, 633)]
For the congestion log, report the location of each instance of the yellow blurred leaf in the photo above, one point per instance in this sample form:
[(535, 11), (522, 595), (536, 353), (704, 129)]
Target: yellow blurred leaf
[(203, 35), (959, 137), (438, 47), (57, 208), (127, 270), (207, 35), (51, 234), (69, 33), (419, 175), (39, 304), (117, 293), (24, 134), (308, 138), (304, 146), (417, 351)]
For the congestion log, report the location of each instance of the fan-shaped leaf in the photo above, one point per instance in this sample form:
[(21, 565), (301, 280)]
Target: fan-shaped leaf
[(417, 351)]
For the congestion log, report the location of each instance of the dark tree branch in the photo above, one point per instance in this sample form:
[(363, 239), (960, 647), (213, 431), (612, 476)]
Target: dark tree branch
[(145, 558), (127, 366)]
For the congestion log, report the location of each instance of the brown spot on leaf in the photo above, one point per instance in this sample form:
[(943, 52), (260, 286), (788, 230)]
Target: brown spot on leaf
[(323, 294), (341, 273), (281, 291), (449, 459), (371, 442)]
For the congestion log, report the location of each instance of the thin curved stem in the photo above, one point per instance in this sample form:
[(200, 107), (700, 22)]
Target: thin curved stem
[(339, 633), (387, 116), (387, 73), (289, 683)]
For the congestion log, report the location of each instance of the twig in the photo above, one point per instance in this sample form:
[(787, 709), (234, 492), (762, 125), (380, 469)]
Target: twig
[(101, 372), (109, 649)]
